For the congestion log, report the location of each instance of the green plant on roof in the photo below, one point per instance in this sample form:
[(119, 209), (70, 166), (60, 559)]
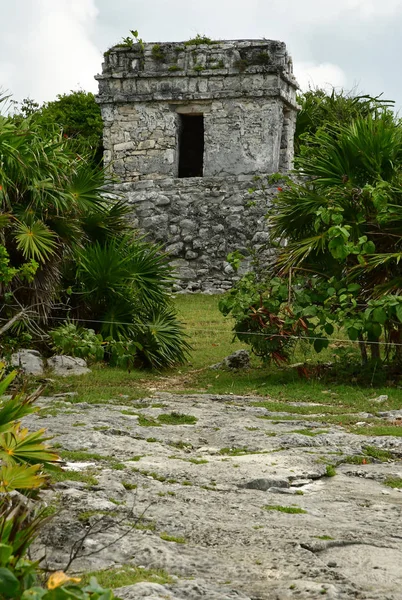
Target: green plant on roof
[(199, 40)]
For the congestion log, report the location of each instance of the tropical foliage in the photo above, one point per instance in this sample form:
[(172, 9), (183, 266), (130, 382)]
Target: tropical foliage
[(25, 460), (76, 115), (67, 251), (24, 455), (320, 109), (338, 232)]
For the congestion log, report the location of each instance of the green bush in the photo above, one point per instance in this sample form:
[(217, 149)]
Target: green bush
[(77, 341)]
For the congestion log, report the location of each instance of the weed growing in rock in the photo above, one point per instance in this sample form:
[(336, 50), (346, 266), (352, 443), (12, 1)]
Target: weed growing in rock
[(293, 510), (144, 421), (87, 476), (354, 460), (172, 538), (330, 471), (143, 526), (199, 40), (378, 453), (181, 445), (128, 575), (323, 537), (152, 474), (87, 514), (175, 418), (378, 430), (116, 466), (238, 451), (157, 53), (77, 455), (129, 486), (117, 502), (393, 482), (309, 432), (151, 440)]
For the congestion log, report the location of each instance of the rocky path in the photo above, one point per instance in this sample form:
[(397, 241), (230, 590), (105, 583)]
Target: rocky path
[(235, 503)]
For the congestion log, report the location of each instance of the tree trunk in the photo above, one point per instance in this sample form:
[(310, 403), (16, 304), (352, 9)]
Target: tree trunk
[(363, 350), (375, 350)]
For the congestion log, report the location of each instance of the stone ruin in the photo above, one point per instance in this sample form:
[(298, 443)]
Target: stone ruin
[(187, 128)]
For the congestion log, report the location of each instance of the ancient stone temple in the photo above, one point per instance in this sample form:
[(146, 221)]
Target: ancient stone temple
[(187, 127)]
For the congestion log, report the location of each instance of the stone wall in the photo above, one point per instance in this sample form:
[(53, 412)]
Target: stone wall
[(246, 94), (199, 221)]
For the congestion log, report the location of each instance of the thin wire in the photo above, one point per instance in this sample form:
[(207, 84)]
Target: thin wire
[(256, 333)]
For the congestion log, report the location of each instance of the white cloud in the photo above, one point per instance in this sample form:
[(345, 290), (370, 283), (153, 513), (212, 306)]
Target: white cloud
[(324, 75), (52, 46), (53, 51), (310, 12)]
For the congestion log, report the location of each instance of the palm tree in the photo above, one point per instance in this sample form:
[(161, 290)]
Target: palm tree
[(64, 241), (343, 218)]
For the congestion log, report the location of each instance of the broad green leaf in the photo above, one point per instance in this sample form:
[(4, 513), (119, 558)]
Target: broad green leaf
[(379, 315), (398, 311), (374, 331), (369, 248), (9, 584), (353, 333), (5, 553), (320, 344), (34, 593)]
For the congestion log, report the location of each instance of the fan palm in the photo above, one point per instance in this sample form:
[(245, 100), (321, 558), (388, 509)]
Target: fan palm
[(351, 188), (50, 202), (122, 291)]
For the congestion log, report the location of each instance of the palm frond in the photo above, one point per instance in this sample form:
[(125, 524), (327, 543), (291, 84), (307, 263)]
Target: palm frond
[(35, 240)]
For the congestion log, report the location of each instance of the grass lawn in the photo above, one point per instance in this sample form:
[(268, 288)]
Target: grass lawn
[(211, 336)]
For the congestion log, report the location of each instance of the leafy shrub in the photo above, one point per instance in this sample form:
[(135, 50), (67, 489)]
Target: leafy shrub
[(124, 284), (71, 246), (77, 116), (337, 233), (199, 40), (77, 341)]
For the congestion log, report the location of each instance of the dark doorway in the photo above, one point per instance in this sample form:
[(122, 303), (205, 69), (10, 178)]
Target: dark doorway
[(191, 145)]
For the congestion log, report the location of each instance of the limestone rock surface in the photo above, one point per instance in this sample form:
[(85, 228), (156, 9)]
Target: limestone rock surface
[(68, 365), (29, 361), (234, 506)]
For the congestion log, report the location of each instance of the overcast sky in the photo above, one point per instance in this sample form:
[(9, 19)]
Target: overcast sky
[(48, 47)]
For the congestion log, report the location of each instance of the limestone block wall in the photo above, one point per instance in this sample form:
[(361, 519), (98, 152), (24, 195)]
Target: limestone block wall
[(244, 93), (199, 222)]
